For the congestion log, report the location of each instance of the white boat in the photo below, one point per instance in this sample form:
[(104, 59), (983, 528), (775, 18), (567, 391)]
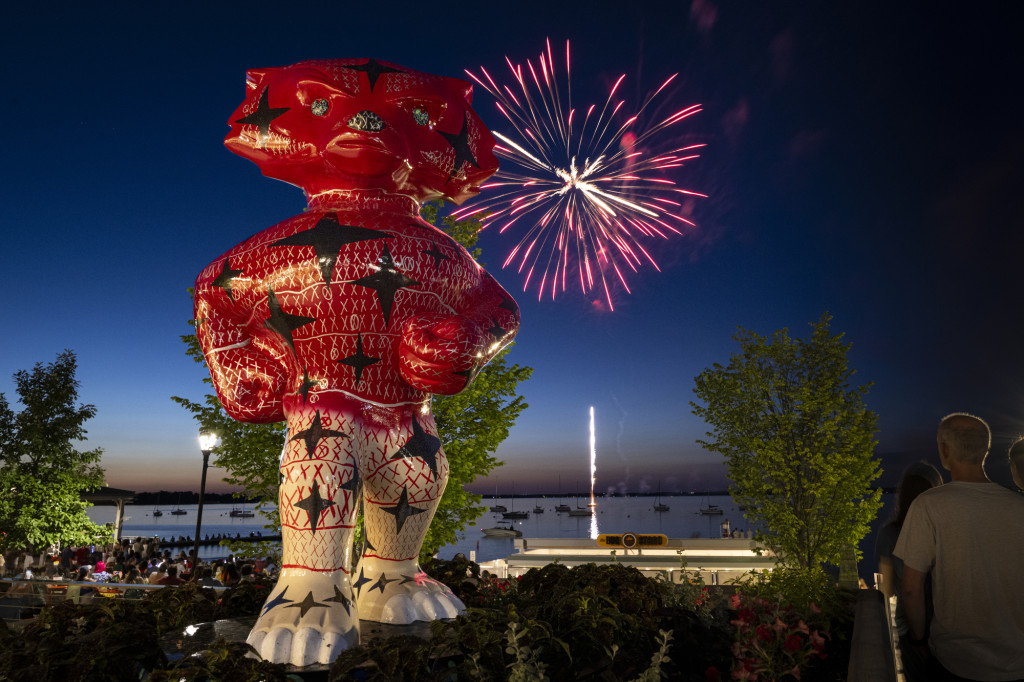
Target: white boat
[(503, 532)]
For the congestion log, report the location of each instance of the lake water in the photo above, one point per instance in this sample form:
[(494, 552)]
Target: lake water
[(611, 515)]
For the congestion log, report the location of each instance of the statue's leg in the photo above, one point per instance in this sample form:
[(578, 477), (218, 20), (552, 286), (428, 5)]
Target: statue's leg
[(405, 474), (311, 615)]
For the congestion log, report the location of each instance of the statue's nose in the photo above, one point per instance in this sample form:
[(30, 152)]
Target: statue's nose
[(366, 121)]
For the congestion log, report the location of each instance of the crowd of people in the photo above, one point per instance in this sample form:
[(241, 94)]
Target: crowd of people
[(952, 556), (133, 562)]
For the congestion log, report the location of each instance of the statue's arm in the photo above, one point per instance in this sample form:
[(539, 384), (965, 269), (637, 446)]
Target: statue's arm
[(248, 363), (442, 353)]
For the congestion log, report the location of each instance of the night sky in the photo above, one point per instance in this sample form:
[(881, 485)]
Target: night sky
[(862, 159)]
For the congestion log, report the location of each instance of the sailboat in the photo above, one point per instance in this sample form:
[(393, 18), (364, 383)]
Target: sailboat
[(238, 513), (658, 506), (512, 513), (580, 511), (156, 507), (561, 506), (178, 511), (498, 507), (710, 509)]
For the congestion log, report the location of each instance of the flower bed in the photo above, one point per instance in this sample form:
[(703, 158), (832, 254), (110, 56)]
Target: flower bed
[(592, 622)]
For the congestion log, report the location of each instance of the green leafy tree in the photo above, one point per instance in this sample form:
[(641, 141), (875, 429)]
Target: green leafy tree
[(42, 476), (798, 441), (471, 425)]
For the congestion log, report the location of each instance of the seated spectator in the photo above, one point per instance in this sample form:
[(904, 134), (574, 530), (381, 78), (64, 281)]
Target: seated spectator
[(206, 578), (268, 566), (156, 576), (99, 573), (230, 576), (172, 577), (247, 574)]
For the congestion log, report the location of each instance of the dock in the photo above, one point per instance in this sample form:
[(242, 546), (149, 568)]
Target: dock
[(716, 560)]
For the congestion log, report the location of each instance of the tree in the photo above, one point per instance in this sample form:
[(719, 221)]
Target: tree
[(471, 425), (798, 440), (42, 475)]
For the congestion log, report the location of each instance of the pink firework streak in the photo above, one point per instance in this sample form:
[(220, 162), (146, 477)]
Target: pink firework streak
[(589, 190)]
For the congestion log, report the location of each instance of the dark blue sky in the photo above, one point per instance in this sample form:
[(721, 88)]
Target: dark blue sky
[(863, 159)]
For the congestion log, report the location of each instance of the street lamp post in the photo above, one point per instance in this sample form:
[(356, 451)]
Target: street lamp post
[(207, 441)]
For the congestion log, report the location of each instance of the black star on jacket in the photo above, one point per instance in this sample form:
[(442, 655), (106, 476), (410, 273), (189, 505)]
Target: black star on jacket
[(225, 278), (373, 70), (386, 281), (460, 143), (359, 361), (263, 115), (283, 323), (327, 237)]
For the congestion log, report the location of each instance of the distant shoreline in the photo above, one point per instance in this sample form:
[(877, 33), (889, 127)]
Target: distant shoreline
[(172, 498)]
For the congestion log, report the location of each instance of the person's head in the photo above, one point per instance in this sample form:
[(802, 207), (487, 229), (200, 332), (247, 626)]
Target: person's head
[(917, 478), (1017, 462), (963, 439), (133, 576), (83, 573), (230, 576), (172, 571), (246, 569), (100, 567)]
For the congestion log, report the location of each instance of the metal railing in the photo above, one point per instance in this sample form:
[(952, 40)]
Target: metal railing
[(20, 599)]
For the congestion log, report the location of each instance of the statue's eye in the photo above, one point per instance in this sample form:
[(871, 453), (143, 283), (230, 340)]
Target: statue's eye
[(319, 107), (421, 116)]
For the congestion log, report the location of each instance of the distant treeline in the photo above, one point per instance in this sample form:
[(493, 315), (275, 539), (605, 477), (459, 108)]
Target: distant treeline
[(710, 493), (171, 498)]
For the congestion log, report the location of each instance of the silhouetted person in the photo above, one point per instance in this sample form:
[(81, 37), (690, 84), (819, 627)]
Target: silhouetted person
[(917, 478), (1017, 462), (969, 533)]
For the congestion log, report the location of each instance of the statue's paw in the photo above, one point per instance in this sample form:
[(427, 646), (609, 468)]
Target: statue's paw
[(308, 619), (388, 594)]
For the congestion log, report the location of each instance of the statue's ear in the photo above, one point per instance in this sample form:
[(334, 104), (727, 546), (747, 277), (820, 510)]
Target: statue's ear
[(254, 78)]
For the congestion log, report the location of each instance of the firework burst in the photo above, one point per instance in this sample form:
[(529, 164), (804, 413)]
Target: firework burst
[(588, 188)]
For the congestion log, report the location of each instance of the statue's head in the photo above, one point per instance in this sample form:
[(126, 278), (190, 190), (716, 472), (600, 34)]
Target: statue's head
[(363, 124)]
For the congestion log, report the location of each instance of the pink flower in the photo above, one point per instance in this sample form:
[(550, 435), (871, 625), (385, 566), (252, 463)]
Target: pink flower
[(735, 600), (793, 643), (802, 627), (780, 627), (814, 608), (817, 641), (744, 673), (795, 672)]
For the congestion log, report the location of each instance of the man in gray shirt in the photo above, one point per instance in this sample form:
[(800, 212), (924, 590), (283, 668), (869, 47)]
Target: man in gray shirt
[(969, 534)]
